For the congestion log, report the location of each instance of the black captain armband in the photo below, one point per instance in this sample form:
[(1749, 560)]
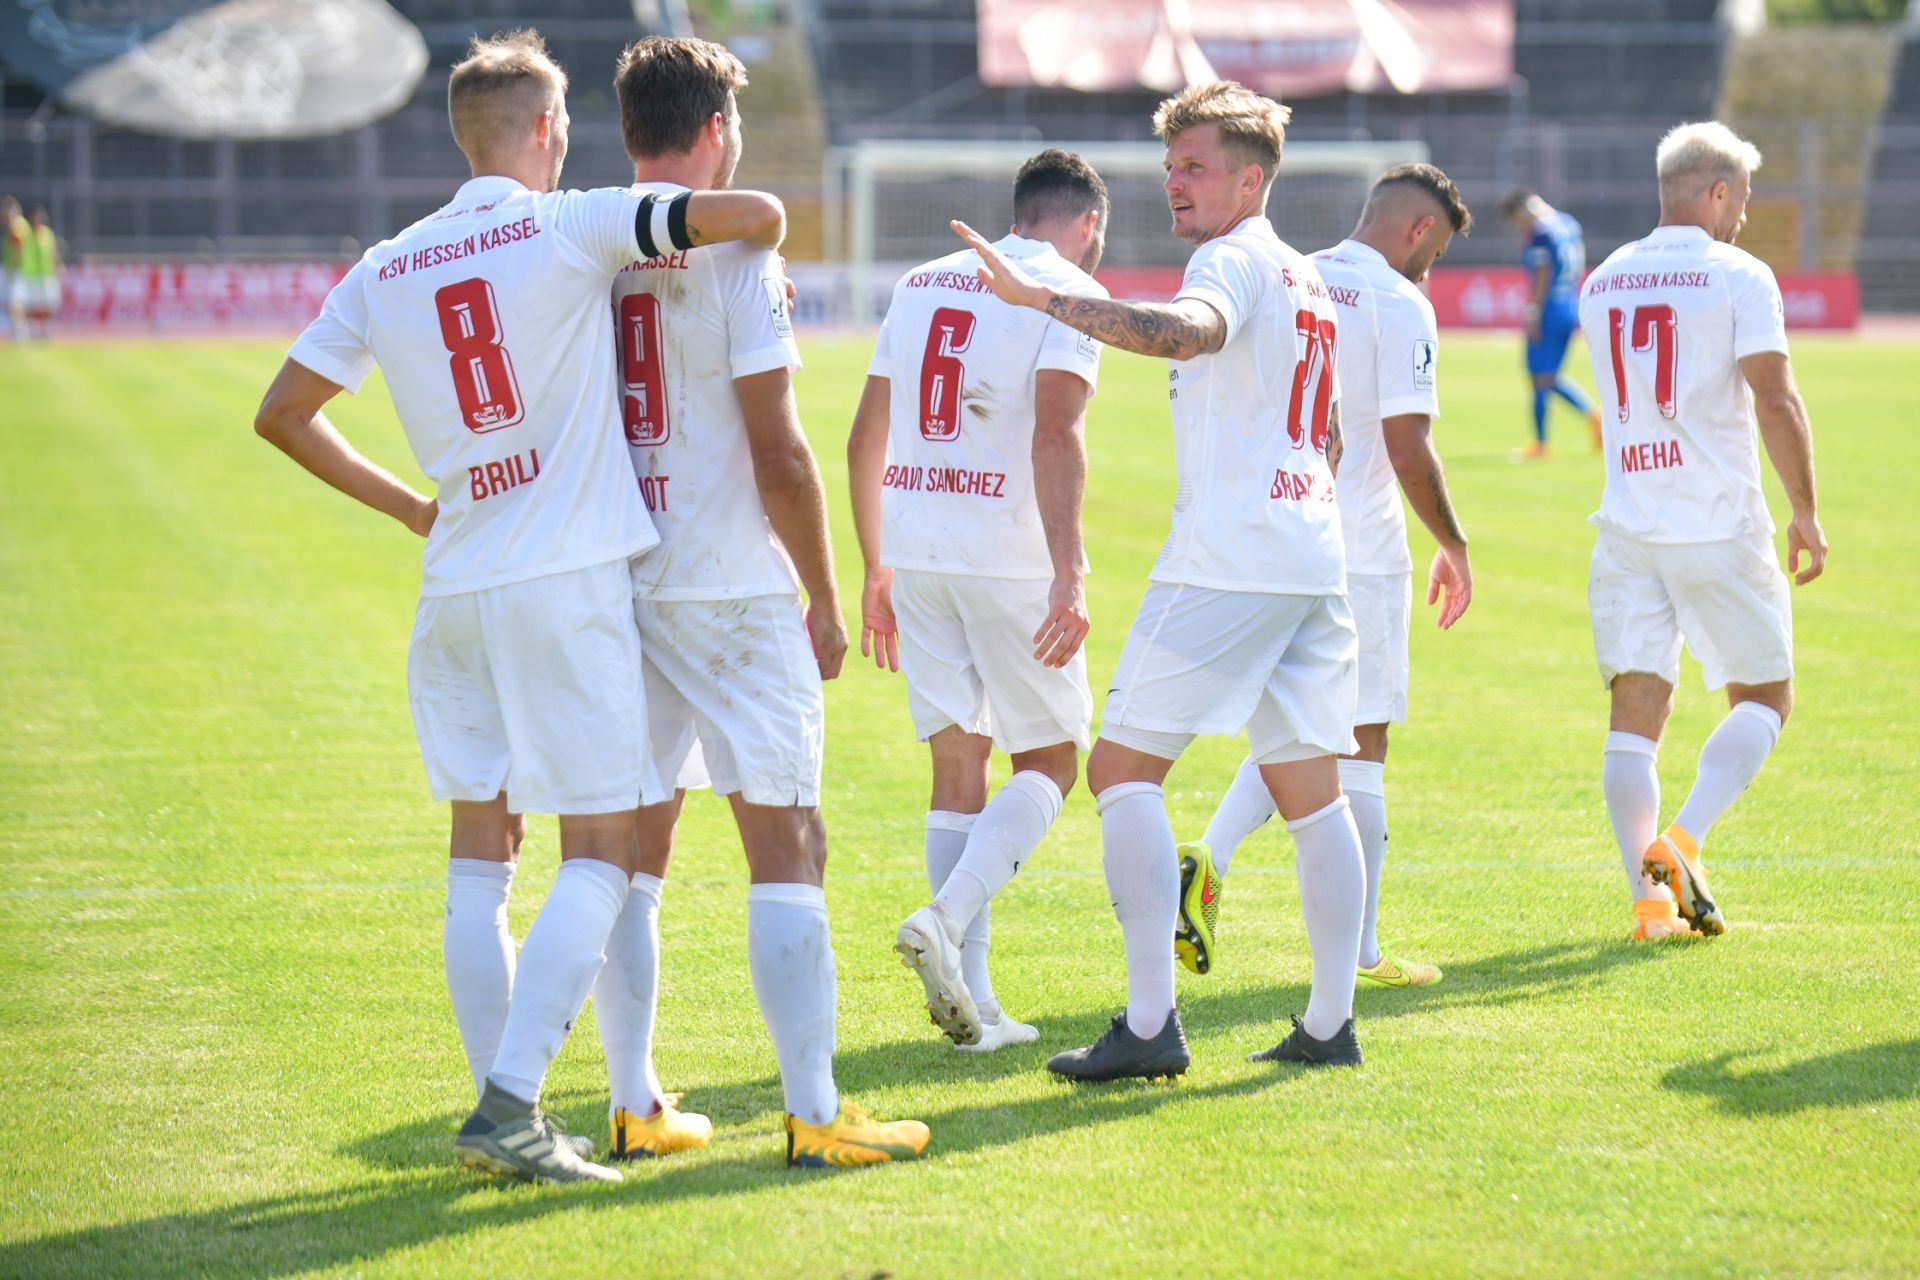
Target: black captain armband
[(658, 221)]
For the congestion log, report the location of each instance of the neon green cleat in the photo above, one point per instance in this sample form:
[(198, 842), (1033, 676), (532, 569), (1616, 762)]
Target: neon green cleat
[(1392, 971), (1200, 885)]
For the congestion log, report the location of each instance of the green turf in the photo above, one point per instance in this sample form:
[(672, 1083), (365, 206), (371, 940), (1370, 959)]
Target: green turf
[(225, 1046)]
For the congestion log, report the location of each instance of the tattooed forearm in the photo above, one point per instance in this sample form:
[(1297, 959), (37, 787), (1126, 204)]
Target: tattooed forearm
[(1336, 442), (1443, 504), (1144, 328)]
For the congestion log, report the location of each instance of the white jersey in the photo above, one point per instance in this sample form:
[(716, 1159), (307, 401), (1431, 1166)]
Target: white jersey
[(688, 324), (489, 319), (1386, 356), (958, 493), (1667, 320), (1253, 507)]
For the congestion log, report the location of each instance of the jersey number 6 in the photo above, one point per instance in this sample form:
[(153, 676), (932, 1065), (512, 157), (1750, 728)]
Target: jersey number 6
[(1315, 370), (483, 380), (941, 373)]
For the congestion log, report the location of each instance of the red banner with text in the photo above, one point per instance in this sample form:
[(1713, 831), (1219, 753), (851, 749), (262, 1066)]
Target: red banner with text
[(194, 296)]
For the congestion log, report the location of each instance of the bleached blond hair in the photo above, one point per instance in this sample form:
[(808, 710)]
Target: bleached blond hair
[(1253, 127), (1692, 157)]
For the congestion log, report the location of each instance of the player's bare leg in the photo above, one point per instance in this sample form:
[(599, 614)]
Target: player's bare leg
[(644, 1118), (1333, 891), (564, 949), (974, 846), (1143, 881)]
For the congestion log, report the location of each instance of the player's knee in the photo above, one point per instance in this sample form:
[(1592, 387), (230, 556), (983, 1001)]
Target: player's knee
[(1059, 764), (1777, 697)]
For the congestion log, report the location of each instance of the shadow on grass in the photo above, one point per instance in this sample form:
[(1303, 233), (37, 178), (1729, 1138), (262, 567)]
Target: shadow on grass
[(1512, 977), (284, 1235), (1853, 1078)]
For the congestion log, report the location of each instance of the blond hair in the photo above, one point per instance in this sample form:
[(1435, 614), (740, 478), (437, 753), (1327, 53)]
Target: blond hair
[(1253, 128), (1692, 157), (496, 93)]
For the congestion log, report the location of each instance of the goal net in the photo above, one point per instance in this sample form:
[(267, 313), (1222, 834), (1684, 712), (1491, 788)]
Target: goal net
[(887, 204)]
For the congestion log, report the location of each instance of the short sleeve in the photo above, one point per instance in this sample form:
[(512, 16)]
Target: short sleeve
[(759, 330), (599, 224), (1539, 250), (1407, 354), (1759, 314), (1226, 278), (335, 345), (881, 366), (1071, 351)]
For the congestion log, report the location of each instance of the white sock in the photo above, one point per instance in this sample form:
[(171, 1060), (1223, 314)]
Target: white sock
[(1333, 895), (625, 997), (1365, 782), (1243, 810), (477, 952), (946, 840), (1631, 783), (1004, 836), (558, 962), (1731, 757), (1143, 880), (790, 954)]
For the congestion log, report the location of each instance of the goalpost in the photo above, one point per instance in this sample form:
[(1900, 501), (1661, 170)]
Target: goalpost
[(886, 204)]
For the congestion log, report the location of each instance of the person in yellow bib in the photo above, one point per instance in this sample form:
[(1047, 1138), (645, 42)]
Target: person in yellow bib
[(36, 287), (15, 228)]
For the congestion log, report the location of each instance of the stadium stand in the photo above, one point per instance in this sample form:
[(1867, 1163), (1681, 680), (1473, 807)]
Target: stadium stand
[(1889, 256)]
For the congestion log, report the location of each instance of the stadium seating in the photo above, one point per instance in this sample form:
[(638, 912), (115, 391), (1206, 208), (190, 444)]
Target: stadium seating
[(1889, 258)]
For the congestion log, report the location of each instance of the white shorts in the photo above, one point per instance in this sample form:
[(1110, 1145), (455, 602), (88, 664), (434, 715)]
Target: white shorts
[(966, 648), (734, 681), (534, 689), (40, 293), (1382, 605), (1200, 661), (1728, 601)]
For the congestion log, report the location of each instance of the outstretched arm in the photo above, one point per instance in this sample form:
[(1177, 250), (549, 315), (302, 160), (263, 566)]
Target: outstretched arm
[(1789, 439), (796, 504), (1409, 441), (1179, 330), (866, 469), (290, 419), (753, 216)]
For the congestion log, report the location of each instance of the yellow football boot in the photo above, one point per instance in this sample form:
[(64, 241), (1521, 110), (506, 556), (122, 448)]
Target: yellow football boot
[(1674, 861), (1200, 887), (1656, 918), (661, 1134), (852, 1138), (1392, 971)]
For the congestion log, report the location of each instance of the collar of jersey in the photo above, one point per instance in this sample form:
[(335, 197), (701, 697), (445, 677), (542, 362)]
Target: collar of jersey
[(492, 184), (1255, 224), (1018, 246), (1669, 234), (1366, 254), (651, 187)]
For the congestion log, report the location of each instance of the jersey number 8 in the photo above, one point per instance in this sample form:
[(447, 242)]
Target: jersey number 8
[(483, 380)]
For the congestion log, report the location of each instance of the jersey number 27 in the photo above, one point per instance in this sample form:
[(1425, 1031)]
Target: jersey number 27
[(1314, 371), (483, 380)]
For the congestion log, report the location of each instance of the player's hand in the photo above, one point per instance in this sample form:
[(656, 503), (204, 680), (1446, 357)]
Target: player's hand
[(1008, 282), (421, 521), (1533, 331), (1451, 577), (1805, 535), (1060, 636), (879, 633), (786, 282), (829, 636)]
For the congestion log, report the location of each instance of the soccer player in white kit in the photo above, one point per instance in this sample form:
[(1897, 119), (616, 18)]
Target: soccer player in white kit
[(968, 465), (1689, 345), (1245, 621), (490, 321), (733, 659), (1386, 357)]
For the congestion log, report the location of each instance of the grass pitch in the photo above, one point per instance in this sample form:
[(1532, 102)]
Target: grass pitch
[(225, 1047)]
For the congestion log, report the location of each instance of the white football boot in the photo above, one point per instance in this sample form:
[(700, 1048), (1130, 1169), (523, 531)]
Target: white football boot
[(925, 948)]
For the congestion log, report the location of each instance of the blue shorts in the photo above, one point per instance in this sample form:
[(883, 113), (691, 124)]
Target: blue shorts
[(1557, 326)]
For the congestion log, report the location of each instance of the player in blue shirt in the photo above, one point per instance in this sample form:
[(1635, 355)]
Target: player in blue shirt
[(1556, 260)]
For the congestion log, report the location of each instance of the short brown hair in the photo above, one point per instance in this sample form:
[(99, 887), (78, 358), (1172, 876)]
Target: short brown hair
[(1514, 201), (669, 88), (1436, 184), (1253, 126), (500, 88), (1056, 184)]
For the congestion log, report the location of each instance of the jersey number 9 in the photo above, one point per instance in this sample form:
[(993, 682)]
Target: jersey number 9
[(643, 364)]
